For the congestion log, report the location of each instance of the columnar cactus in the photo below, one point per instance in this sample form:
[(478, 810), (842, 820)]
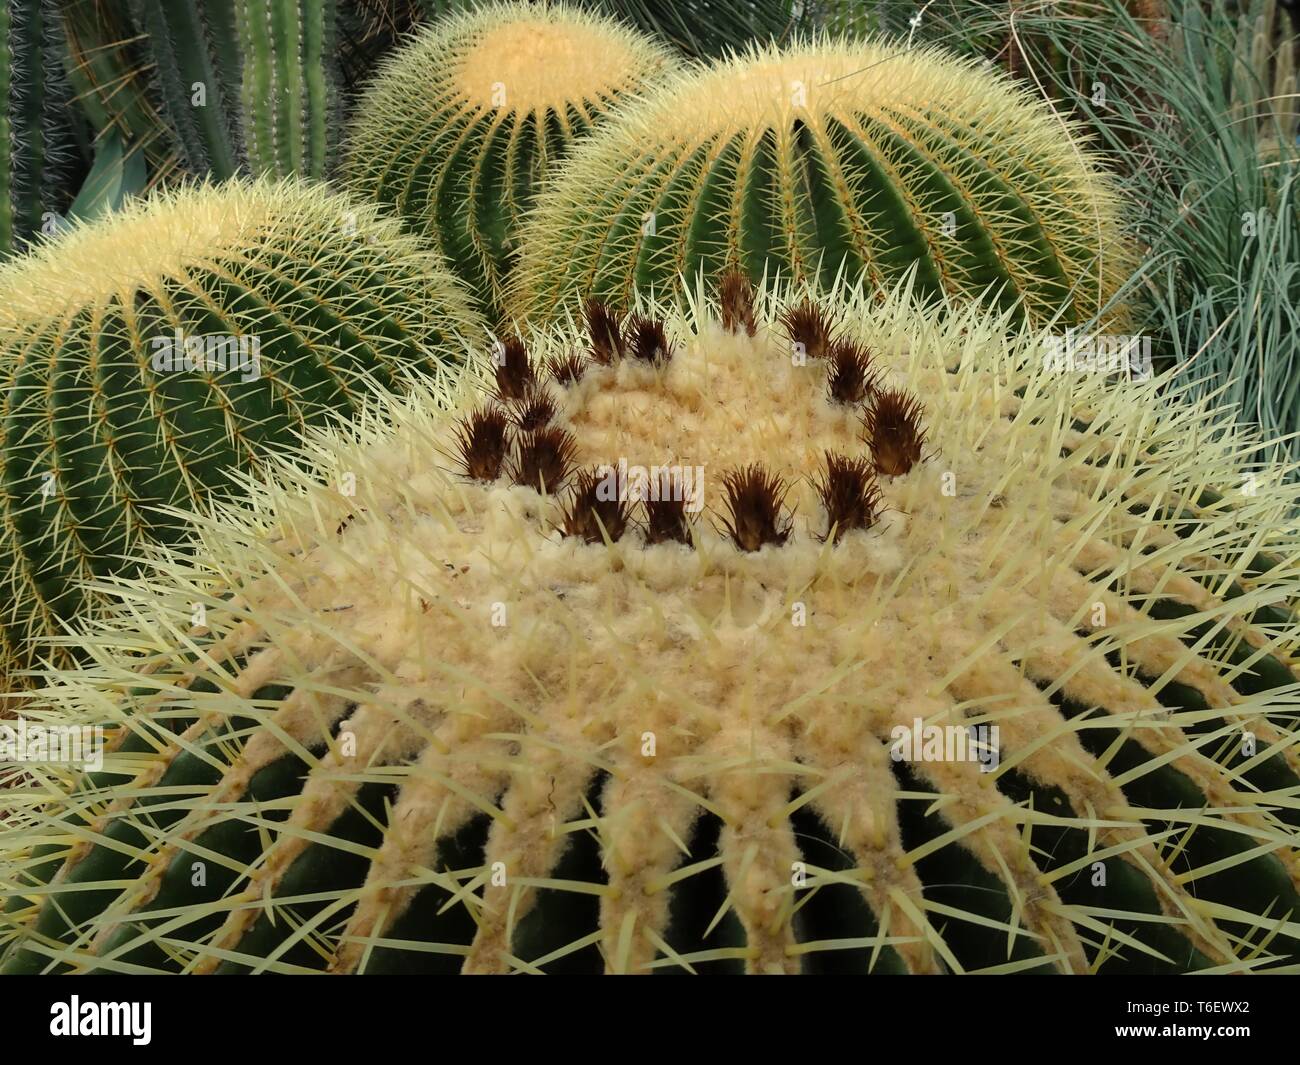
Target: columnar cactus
[(196, 72), (831, 155), (146, 357), (289, 92), (34, 137), (504, 710), (460, 126), (215, 87)]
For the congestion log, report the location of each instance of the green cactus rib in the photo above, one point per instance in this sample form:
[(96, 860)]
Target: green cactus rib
[(34, 135), (460, 126), (349, 767), (831, 156), (98, 432)]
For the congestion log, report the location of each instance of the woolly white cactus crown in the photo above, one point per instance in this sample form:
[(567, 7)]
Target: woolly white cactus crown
[(709, 724)]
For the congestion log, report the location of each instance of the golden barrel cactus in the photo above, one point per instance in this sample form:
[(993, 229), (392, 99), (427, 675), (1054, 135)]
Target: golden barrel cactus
[(149, 354), (462, 125), (832, 155), (799, 632)]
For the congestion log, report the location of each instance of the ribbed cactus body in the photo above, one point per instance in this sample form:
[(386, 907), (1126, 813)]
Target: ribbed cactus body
[(451, 723), (194, 81), (831, 155), (146, 358), (461, 125), (34, 136), (1262, 81)]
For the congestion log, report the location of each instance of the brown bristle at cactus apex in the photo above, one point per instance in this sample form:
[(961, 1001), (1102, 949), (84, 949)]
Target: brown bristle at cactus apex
[(543, 460), (594, 511), (736, 297), (483, 441), (567, 369), (809, 327), (849, 379), (514, 369), (894, 431), (754, 500), (666, 522), (648, 340), (535, 410), (606, 332), (849, 492)]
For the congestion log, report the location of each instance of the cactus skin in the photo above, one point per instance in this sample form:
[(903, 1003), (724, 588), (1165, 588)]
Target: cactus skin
[(96, 436), (432, 141), (834, 153), (352, 738), (34, 137)]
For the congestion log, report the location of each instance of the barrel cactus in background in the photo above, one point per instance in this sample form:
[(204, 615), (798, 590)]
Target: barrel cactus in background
[(145, 357), (35, 140), (832, 154), (497, 711), (460, 125)]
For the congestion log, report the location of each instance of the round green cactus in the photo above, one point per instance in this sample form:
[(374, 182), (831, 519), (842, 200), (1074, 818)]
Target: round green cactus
[(460, 126), (147, 356), (832, 155), (710, 707)]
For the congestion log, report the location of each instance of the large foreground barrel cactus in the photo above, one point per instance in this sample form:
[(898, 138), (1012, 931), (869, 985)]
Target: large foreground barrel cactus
[(145, 357), (830, 155), (462, 124), (463, 700)]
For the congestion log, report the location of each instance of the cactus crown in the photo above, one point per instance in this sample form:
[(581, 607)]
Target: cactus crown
[(145, 244), (436, 718), (824, 155), (542, 58)]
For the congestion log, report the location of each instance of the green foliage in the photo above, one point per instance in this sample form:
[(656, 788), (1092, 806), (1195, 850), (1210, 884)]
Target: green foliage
[(109, 73), (214, 87)]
